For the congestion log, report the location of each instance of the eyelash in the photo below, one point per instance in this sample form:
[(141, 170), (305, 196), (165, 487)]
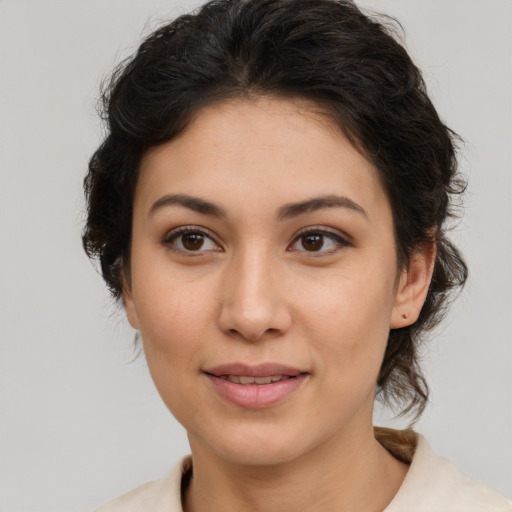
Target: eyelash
[(335, 237), (176, 233)]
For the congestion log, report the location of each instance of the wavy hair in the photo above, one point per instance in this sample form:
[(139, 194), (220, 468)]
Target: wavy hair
[(353, 67)]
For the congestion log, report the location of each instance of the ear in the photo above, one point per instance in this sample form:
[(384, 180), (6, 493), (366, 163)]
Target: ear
[(413, 285), (128, 302)]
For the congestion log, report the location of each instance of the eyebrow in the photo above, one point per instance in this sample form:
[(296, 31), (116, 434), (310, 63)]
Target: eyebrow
[(286, 211), (192, 203), (291, 210)]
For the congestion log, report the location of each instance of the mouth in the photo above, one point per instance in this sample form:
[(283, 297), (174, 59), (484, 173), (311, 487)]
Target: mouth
[(246, 380), (246, 371), (255, 387)]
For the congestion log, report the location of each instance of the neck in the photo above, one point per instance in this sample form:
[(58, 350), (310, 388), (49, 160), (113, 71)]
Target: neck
[(352, 473)]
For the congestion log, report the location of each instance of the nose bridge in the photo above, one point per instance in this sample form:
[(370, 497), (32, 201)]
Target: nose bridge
[(252, 301)]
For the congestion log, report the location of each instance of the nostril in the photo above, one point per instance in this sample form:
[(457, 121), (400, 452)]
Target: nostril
[(253, 336)]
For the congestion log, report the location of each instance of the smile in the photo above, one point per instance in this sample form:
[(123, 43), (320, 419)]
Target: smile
[(255, 387), (246, 380)]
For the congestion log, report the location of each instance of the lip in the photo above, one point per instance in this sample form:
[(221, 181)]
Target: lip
[(255, 396), (260, 370)]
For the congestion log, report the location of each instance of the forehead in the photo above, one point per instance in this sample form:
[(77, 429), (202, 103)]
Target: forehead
[(267, 150)]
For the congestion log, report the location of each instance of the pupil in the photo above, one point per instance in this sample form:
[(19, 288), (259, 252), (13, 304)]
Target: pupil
[(193, 241), (312, 242)]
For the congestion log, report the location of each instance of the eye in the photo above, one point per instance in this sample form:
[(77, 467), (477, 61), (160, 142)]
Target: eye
[(189, 239), (319, 241)]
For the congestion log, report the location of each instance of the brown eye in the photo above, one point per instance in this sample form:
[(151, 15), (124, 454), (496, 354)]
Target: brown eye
[(319, 241), (185, 240), (192, 241), (312, 242)]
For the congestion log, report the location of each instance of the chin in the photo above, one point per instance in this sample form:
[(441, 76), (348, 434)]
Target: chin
[(254, 445)]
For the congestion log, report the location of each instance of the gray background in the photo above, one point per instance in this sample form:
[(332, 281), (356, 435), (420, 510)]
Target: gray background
[(79, 423)]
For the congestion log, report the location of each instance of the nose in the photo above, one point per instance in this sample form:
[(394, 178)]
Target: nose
[(253, 302)]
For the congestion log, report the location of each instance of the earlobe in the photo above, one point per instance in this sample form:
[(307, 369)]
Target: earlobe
[(413, 287), (129, 304)]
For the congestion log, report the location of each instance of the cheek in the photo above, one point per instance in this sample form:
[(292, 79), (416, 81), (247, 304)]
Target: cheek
[(174, 315), (347, 318), (174, 320), (168, 301)]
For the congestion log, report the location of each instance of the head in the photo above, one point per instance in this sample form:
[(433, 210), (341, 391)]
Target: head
[(346, 72)]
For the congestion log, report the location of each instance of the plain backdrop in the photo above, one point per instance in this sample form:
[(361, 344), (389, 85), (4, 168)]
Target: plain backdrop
[(80, 423)]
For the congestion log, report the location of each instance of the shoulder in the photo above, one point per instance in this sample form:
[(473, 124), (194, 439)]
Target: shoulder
[(159, 496), (133, 500), (433, 483)]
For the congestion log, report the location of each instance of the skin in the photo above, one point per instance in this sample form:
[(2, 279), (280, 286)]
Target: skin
[(255, 292)]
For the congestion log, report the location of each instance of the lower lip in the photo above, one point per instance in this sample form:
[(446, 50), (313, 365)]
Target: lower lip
[(256, 396)]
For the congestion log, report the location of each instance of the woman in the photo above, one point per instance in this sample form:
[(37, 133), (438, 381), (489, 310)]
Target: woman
[(270, 204)]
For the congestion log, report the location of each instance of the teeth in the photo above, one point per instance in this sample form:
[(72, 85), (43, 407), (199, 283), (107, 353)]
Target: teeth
[(242, 379), (263, 380)]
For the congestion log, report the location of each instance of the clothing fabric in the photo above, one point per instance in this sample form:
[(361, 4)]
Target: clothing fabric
[(432, 484)]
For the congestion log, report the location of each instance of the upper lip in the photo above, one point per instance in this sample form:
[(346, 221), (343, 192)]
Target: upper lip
[(260, 370)]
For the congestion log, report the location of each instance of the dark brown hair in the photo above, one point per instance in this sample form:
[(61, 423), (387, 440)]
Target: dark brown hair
[(349, 64)]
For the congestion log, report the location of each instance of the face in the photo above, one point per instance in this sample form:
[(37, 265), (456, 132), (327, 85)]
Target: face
[(263, 280)]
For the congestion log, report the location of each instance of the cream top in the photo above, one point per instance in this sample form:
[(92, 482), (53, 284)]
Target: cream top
[(432, 484)]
